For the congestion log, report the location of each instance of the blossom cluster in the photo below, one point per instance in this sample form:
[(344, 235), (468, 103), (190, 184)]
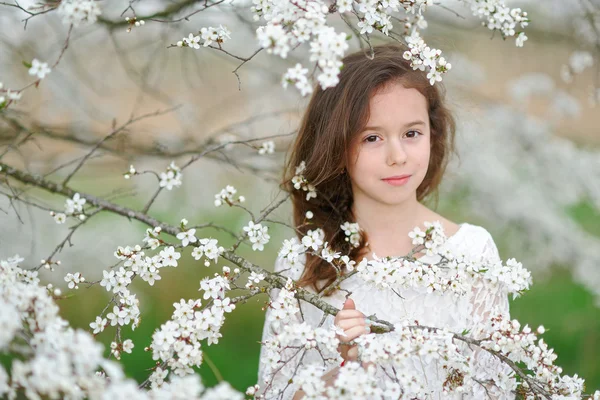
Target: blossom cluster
[(171, 178), (388, 361), (522, 345), (73, 207), (209, 249), (56, 361), (502, 18), (254, 278), (135, 263), (267, 147), (300, 182), (297, 77), (209, 35), (78, 12), (454, 273), (422, 56), (226, 195), (289, 24), (178, 341), (73, 280), (352, 232), (257, 233)]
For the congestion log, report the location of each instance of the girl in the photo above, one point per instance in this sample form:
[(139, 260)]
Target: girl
[(374, 147)]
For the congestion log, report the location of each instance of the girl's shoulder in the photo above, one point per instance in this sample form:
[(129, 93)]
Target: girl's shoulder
[(472, 239)]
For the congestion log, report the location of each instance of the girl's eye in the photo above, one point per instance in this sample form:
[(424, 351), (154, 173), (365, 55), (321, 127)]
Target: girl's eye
[(371, 138), (416, 134)]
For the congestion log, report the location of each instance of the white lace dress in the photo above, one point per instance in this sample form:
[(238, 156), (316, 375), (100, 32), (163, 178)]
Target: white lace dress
[(447, 310)]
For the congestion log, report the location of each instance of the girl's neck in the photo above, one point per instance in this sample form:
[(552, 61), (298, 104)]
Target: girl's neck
[(387, 228)]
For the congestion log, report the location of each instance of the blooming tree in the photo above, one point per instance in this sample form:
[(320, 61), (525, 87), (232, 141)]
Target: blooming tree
[(54, 360)]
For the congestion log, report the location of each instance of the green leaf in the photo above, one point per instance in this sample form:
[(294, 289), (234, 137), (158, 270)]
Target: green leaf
[(28, 65)]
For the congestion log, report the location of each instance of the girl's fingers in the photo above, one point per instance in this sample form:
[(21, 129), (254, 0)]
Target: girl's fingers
[(355, 332), (345, 314), (351, 322), (352, 354)]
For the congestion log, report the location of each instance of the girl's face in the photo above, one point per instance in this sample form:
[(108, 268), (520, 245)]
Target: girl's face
[(395, 143)]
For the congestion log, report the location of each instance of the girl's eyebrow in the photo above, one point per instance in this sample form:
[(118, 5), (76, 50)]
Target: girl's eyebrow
[(376, 128)]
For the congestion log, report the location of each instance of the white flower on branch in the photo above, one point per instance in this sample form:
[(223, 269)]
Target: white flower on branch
[(150, 271), (158, 378), (39, 69), (273, 38), (109, 280), (77, 12), (267, 147), (74, 279), (314, 239), (151, 237), (221, 306), (297, 77), (74, 205), (169, 256), (254, 278), (215, 287), (352, 232), (227, 195), (422, 56), (98, 325), (187, 237), (218, 35), (291, 250), (128, 346), (257, 234), (123, 278), (521, 38), (171, 178), (177, 342), (208, 248), (328, 254), (119, 316), (60, 218), (300, 182)]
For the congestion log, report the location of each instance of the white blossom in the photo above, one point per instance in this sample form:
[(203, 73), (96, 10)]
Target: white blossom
[(257, 234), (74, 279), (187, 237), (171, 178), (39, 69), (226, 195), (79, 12), (268, 147)]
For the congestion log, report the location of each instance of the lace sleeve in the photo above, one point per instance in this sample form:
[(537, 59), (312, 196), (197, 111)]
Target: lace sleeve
[(488, 298), (274, 383)]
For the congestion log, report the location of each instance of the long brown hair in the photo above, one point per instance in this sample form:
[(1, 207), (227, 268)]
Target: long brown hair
[(332, 118)]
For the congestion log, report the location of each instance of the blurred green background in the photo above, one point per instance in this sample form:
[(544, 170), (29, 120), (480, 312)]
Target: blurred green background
[(567, 311)]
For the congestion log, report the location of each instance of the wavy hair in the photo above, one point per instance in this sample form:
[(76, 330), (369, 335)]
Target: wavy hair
[(332, 118)]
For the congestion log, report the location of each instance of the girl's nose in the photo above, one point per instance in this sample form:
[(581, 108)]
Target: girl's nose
[(396, 153)]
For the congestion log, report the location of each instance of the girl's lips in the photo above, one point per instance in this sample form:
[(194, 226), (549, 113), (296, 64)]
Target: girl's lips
[(397, 181)]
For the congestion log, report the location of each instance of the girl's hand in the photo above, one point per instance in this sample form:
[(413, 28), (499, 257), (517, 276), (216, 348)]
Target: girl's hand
[(353, 322)]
